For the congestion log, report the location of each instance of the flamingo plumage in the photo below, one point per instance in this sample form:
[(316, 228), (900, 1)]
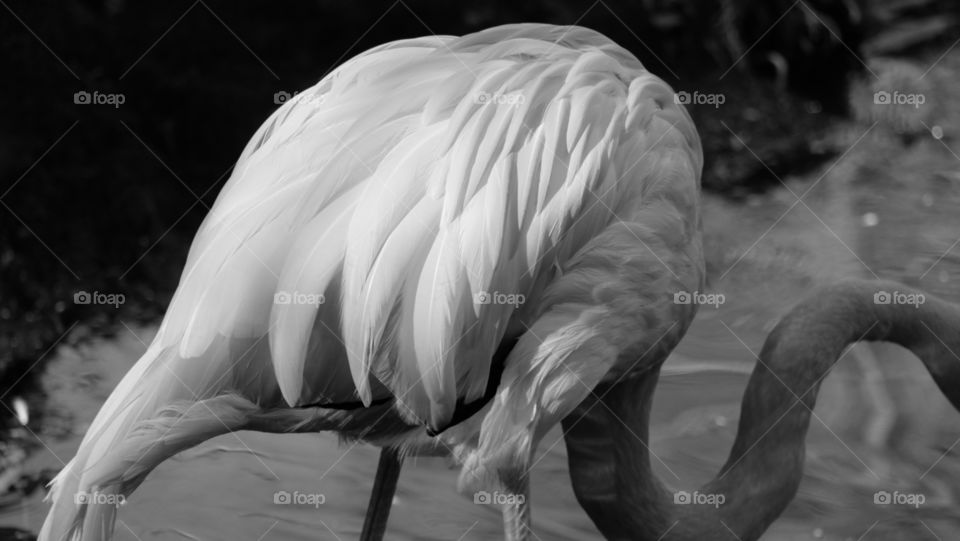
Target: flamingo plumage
[(450, 245), (448, 241)]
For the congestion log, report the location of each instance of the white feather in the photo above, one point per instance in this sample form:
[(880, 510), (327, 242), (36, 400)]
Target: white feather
[(394, 193)]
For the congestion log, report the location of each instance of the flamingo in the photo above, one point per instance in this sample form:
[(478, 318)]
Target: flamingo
[(450, 245), (440, 248)]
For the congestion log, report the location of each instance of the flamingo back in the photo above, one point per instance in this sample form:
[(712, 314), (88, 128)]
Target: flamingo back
[(370, 232), (370, 220)]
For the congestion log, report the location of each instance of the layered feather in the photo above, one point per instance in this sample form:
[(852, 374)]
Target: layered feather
[(374, 232), (416, 179)]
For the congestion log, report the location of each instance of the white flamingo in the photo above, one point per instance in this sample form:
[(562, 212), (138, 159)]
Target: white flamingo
[(364, 271)]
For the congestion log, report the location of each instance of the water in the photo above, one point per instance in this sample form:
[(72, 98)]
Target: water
[(880, 425)]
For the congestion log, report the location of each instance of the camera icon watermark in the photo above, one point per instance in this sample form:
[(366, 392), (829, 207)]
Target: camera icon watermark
[(82, 97), (699, 98), (897, 297), (99, 498), (884, 97), (682, 497), (497, 498), (313, 98), (896, 497), (282, 497), (696, 297), (496, 297), (296, 297), (107, 299), (510, 98)]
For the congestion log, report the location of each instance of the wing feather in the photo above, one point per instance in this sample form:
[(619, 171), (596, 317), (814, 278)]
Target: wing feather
[(389, 195), (314, 259), (437, 315), (410, 180)]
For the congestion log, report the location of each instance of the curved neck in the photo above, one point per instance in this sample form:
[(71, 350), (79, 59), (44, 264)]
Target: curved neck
[(765, 465)]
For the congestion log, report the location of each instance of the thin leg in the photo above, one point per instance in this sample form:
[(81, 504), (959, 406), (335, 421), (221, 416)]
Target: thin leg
[(381, 498), (516, 509)]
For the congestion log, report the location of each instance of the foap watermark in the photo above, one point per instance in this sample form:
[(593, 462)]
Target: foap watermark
[(898, 498), (282, 497), (109, 299), (296, 297), (83, 97), (496, 297), (699, 98), (510, 98), (696, 297), (897, 297), (313, 98), (497, 498), (883, 97), (99, 498), (682, 497)]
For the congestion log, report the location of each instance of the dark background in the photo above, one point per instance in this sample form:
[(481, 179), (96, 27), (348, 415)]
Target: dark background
[(102, 198)]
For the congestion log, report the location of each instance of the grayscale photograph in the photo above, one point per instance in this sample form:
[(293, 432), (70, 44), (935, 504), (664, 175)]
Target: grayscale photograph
[(421, 270)]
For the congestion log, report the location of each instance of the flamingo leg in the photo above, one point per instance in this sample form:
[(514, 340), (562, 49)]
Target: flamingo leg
[(517, 525), (381, 498)]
